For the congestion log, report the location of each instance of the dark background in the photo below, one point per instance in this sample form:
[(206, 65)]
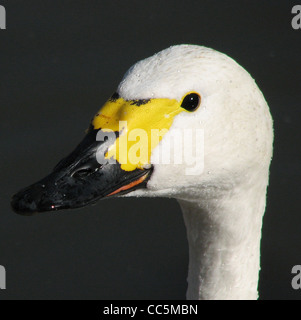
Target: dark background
[(59, 62)]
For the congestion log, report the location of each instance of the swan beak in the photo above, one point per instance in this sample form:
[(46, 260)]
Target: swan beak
[(79, 180)]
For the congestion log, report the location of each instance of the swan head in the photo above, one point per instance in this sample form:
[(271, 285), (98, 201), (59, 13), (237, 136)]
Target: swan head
[(184, 121)]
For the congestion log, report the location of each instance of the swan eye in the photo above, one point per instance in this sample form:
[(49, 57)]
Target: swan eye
[(191, 102)]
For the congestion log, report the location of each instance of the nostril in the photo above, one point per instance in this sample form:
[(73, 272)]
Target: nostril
[(84, 172), (81, 173)]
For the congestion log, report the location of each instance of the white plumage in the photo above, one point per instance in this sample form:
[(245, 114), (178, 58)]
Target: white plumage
[(222, 192), (223, 207)]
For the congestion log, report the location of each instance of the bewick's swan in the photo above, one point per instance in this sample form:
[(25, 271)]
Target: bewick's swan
[(203, 105)]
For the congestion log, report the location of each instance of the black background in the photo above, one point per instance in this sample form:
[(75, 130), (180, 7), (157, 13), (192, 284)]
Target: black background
[(59, 62)]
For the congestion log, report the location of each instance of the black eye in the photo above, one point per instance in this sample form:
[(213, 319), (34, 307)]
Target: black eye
[(191, 102)]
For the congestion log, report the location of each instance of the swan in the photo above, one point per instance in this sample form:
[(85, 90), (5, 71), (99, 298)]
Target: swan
[(220, 180)]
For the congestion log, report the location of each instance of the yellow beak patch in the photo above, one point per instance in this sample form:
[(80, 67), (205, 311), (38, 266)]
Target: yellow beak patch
[(141, 125)]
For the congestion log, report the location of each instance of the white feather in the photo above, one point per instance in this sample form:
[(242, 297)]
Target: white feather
[(224, 205)]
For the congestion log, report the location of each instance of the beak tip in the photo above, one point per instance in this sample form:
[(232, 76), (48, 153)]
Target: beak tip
[(24, 202), (21, 207), (33, 200)]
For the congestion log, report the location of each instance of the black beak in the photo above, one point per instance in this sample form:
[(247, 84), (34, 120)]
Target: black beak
[(79, 180)]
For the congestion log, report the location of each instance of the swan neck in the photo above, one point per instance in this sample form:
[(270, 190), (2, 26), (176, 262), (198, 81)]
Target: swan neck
[(224, 244)]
